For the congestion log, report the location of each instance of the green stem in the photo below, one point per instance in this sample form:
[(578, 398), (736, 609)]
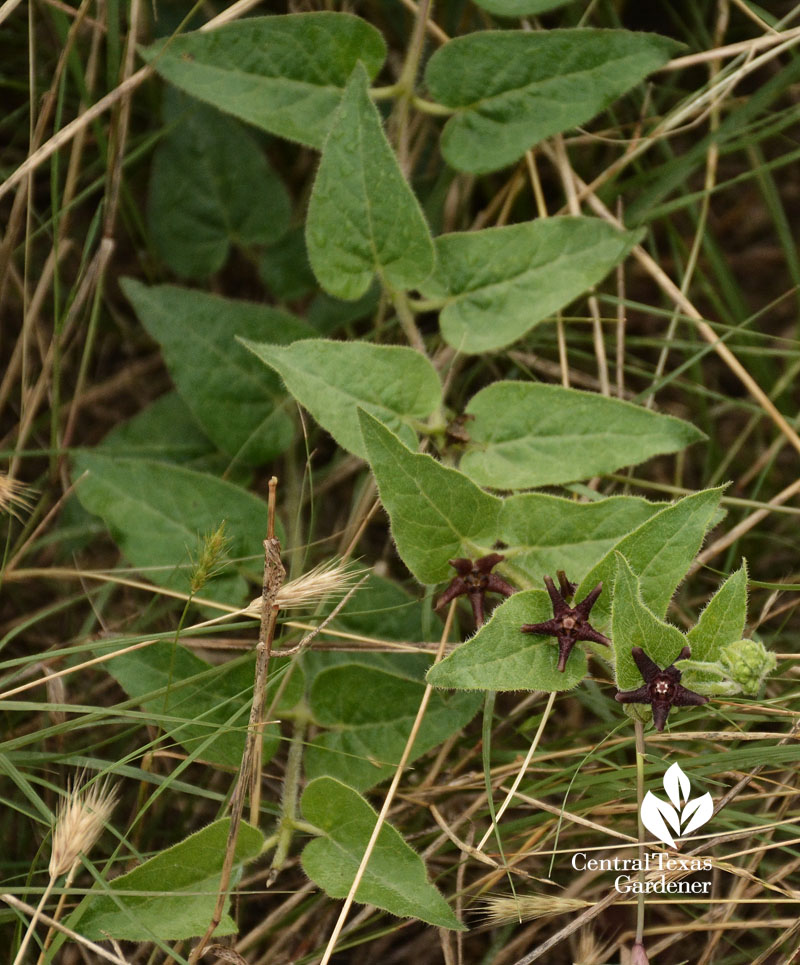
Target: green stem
[(426, 304), (406, 81), (407, 321), (408, 75), (291, 786), (431, 107), (640, 756)]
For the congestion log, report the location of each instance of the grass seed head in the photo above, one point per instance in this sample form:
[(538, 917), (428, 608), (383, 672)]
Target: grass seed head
[(331, 579), (80, 819), (505, 909), (211, 559), (15, 498)]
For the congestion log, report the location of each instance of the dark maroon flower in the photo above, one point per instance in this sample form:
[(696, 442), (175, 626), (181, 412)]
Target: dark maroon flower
[(474, 581), (569, 624), (662, 688)]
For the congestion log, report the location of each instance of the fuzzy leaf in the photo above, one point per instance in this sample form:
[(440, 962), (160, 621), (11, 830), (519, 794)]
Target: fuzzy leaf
[(165, 430), (365, 738), (436, 512), (544, 534), (633, 625), (157, 511), (501, 657), (239, 405), (512, 89), (332, 379), (660, 551), (363, 217), (211, 185), (499, 283), (285, 74), (722, 622), (520, 8), (178, 890), (395, 878), (527, 434), (201, 706)]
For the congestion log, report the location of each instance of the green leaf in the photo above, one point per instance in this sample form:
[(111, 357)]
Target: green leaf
[(285, 74), (382, 608), (520, 8), (237, 403), (156, 512), (165, 430), (544, 534), (634, 625), (178, 890), (660, 551), (498, 283), (327, 314), (395, 877), (501, 657), (201, 706), (436, 512), (285, 270), (365, 738), (363, 217), (512, 89), (332, 379), (211, 185), (526, 434), (723, 620)]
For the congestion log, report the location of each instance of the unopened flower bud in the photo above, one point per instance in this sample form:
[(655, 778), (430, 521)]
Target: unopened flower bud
[(748, 663)]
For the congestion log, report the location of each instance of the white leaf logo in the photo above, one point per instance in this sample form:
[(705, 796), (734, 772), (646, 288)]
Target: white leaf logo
[(663, 819)]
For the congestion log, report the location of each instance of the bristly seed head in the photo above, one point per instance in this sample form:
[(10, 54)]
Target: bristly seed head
[(505, 909), (15, 497), (80, 819), (331, 579), (211, 558)]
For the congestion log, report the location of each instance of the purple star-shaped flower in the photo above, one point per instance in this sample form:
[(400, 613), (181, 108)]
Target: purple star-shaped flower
[(662, 688), (474, 581), (568, 624)]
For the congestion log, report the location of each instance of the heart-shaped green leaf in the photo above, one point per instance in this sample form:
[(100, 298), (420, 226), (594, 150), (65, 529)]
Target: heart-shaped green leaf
[(239, 405), (499, 283), (526, 434), (723, 620), (511, 89), (501, 657), (285, 74), (210, 186), (367, 714), (332, 379), (170, 896), (634, 625), (395, 877), (660, 551), (157, 513), (202, 706), (363, 217), (436, 512)]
